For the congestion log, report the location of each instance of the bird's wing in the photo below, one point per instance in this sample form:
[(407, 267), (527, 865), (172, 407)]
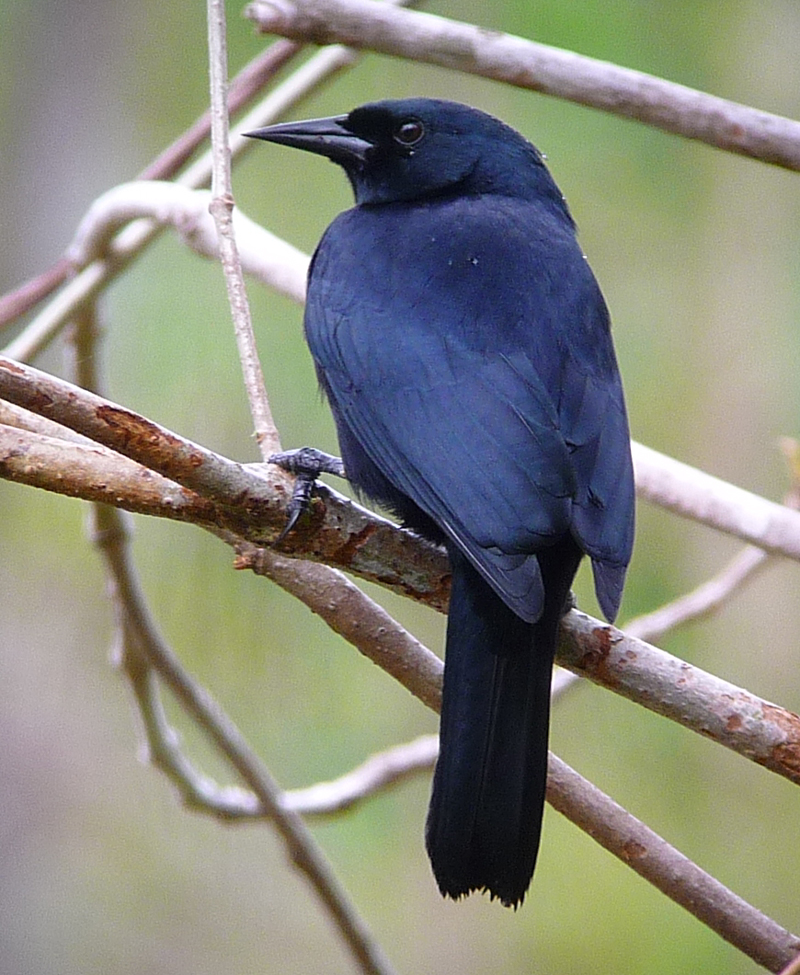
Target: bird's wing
[(507, 445), (595, 425), (470, 442)]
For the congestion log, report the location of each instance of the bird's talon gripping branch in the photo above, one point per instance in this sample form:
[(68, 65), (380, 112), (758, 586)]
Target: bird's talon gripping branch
[(306, 463)]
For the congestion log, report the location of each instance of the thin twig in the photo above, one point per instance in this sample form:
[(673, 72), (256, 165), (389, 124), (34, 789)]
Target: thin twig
[(233, 804), (14, 304), (376, 774), (352, 927), (436, 40), (759, 937), (61, 310), (703, 600), (303, 849), (133, 239), (244, 87), (221, 208)]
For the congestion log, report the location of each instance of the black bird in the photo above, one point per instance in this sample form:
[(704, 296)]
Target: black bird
[(465, 350)]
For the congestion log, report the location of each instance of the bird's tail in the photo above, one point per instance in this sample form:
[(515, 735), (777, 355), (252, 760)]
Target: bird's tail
[(486, 808)]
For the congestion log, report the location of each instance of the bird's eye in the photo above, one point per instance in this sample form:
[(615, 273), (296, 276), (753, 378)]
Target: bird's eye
[(409, 133)]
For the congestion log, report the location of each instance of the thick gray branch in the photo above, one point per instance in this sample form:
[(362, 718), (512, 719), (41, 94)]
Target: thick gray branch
[(516, 61)]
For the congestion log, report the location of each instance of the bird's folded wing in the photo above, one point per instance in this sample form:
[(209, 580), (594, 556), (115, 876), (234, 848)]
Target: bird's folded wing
[(500, 415), (474, 439)]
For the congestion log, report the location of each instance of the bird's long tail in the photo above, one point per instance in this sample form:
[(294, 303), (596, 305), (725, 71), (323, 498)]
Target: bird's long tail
[(486, 808)]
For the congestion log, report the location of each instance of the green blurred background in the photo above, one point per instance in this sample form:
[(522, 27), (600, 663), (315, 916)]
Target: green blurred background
[(697, 252)]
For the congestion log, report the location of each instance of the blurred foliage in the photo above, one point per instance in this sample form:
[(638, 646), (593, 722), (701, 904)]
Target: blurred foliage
[(100, 869)]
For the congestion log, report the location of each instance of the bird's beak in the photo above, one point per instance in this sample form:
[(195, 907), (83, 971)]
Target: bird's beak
[(325, 136)]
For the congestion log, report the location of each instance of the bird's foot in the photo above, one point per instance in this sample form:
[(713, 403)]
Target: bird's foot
[(306, 464), (308, 461)]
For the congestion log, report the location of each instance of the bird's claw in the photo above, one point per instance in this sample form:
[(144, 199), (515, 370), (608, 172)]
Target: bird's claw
[(306, 464), (298, 503)]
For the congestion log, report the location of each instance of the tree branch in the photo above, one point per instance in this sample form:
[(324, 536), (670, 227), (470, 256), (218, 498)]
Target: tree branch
[(766, 942), (348, 537), (94, 473), (273, 261), (590, 809), (221, 208), (694, 494), (578, 800), (139, 439), (684, 490), (377, 773), (765, 733), (236, 497), (703, 600), (516, 61), (581, 802), (138, 628), (244, 87)]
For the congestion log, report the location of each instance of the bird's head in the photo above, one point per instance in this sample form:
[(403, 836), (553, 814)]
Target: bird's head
[(417, 148)]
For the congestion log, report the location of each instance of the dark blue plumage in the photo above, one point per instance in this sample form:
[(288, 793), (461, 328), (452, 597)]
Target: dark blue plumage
[(465, 349)]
